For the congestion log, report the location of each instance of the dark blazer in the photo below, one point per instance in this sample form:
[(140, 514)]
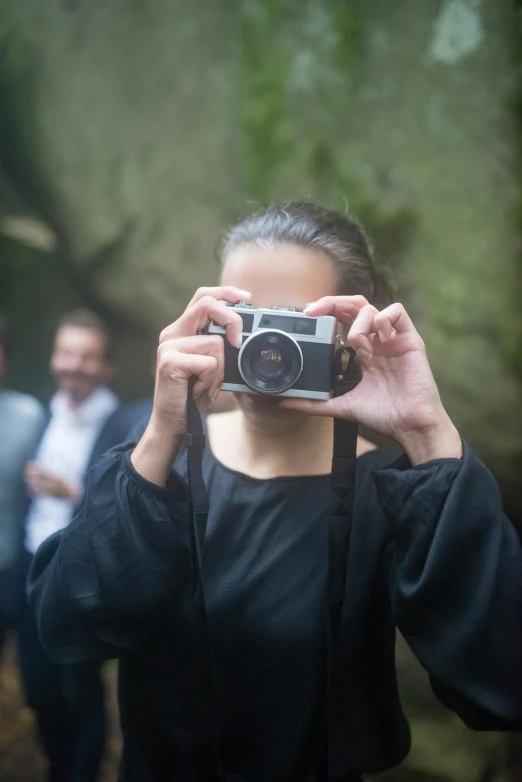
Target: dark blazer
[(115, 431)]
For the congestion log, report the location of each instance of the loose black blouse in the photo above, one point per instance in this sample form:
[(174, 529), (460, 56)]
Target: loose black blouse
[(431, 552)]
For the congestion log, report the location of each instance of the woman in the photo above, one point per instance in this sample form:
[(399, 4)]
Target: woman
[(430, 549)]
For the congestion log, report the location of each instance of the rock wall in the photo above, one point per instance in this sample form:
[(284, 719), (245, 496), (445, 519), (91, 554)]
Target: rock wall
[(137, 131)]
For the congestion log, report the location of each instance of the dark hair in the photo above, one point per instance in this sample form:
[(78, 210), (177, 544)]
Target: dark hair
[(334, 233), (86, 319)]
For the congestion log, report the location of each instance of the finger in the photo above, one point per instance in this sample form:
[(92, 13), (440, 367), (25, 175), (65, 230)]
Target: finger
[(221, 293), (200, 314), (34, 480), (30, 483), (393, 318), (308, 406), (332, 408), (362, 328), (208, 345), (45, 485), (201, 344), (344, 308), (202, 367), (43, 475), (34, 486), (31, 468), (175, 361)]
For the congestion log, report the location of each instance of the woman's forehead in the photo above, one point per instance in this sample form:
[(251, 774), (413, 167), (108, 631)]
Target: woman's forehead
[(283, 275)]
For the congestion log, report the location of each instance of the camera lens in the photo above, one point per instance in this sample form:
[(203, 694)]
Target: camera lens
[(270, 362)]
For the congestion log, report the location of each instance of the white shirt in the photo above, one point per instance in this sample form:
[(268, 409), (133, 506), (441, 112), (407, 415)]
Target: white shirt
[(64, 451)]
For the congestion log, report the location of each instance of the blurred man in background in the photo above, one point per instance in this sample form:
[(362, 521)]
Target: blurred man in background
[(21, 422), (85, 420)]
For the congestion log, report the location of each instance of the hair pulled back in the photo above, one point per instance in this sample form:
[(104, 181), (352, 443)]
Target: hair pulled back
[(328, 231)]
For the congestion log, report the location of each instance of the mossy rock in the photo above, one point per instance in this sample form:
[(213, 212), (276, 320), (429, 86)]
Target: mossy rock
[(139, 130)]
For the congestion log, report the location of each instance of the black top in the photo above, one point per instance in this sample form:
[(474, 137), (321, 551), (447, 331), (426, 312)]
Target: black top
[(430, 550), (265, 571)]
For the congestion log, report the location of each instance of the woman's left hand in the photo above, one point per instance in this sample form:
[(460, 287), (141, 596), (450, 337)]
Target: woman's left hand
[(397, 395)]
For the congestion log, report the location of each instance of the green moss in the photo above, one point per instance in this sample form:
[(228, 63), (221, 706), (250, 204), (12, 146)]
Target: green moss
[(292, 53), (350, 22), (16, 72), (266, 126), (298, 65), (510, 328), (21, 155), (273, 34)]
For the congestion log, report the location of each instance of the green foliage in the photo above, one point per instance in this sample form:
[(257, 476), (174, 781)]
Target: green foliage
[(293, 53), (297, 59), (19, 143), (266, 127), (510, 334)]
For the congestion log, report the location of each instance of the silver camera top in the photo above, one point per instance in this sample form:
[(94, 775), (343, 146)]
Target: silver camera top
[(243, 305), (322, 328)]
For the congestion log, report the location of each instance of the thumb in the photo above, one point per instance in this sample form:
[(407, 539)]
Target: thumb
[(333, 408), (308, 406), (338, 407)]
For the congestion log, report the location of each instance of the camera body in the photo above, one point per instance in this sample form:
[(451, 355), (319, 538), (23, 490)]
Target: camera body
[(284, 352)]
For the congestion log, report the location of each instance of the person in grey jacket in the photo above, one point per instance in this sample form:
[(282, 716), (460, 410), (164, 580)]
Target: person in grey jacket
[(21, 421)]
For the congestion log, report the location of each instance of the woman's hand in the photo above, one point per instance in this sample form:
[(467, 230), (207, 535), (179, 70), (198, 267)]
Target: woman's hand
[(182, 354), (397, 395)]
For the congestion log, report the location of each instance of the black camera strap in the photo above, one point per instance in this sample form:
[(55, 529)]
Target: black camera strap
[(345, 377), (206, 723)]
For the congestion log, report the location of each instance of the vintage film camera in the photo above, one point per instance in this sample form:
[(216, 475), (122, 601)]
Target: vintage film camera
[(284, 352)]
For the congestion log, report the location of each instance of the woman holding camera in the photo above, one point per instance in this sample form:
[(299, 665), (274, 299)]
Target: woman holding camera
[(430, 550)]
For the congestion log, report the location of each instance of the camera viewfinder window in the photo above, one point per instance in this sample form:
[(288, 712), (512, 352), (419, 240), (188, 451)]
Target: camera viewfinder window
[(303, 326)]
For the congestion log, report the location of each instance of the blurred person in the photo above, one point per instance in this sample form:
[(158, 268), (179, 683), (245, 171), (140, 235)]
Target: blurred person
[(21, 421), (430, 550), (85, 420)]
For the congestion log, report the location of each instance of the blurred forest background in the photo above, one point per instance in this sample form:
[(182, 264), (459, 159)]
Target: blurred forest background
[(132, 132)]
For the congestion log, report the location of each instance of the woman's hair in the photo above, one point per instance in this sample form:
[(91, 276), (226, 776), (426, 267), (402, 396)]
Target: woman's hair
[(328, 231)]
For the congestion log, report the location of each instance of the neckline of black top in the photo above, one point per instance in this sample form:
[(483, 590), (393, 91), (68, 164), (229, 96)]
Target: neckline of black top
[(251, 479)]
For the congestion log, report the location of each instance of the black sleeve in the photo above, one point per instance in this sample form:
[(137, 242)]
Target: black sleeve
[(456, 584), (98, 586)]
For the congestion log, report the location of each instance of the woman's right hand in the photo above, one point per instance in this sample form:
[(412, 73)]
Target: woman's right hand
[(182, 354)]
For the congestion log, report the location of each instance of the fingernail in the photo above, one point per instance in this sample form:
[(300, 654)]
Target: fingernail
[(309, 305), (239, 343), (382, 336), (364, 353)]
